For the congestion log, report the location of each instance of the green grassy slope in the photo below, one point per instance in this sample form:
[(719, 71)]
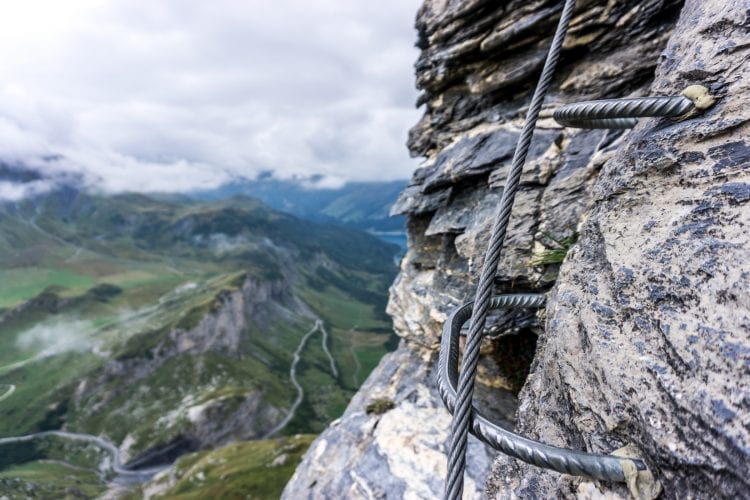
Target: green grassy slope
[(254, 469), (46, 479), (94, 292)]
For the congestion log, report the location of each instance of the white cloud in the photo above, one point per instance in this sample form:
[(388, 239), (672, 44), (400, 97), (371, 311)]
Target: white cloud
[(12, 191), (54, 338), (176, 94)]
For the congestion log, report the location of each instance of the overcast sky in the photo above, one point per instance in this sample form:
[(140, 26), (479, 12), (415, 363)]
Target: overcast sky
[(177, 94)]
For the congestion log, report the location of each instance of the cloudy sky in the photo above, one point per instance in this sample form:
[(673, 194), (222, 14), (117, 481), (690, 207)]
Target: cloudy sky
[(177, 94)]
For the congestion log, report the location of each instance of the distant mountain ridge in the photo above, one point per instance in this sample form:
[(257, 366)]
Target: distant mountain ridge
[(363, 205)]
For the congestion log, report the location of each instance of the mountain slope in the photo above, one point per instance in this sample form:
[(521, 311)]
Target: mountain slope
[(364, 205), (170, 326)]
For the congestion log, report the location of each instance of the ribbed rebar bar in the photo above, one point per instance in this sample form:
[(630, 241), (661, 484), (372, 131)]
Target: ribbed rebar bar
[(566, 461), (620, 113), (462, 411)]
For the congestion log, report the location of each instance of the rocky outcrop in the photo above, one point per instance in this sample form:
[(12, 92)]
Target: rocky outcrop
[(645, 338), (648, 328), (201, 415), (217, 327), (256, 303), (390, 441)]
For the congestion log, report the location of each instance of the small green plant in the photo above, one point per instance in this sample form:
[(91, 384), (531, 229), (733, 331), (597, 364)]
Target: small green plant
[(555, 252), (378, 406)]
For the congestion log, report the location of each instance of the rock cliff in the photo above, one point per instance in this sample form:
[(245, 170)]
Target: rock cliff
[(195, 421), (646, 337)]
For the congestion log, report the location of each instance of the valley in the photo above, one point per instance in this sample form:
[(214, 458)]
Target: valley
[(169, 327), (364, 205), (292, 412)]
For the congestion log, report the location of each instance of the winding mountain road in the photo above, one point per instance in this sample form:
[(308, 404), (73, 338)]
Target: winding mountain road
[(293, 375), (111, 463), (334, 370), (11, 389), (18, 364)]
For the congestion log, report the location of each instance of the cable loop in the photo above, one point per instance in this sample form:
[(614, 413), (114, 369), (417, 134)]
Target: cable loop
[(578, 463)]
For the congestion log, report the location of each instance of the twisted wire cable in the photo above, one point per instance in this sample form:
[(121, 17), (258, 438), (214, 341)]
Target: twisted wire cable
[(621, 113), (604, 467), (462, 412)]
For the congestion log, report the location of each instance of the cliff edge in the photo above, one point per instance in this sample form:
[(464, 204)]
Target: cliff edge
[(640, 238)]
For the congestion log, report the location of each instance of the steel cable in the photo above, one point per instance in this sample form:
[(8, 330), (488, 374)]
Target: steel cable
[(462, 412), (604, 467)]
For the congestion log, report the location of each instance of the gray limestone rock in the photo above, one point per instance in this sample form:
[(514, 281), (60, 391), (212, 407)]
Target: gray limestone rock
[(396, 454), (645, 340), (648, 327)]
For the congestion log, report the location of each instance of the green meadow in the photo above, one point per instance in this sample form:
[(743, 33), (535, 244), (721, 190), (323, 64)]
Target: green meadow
[(91, 298)]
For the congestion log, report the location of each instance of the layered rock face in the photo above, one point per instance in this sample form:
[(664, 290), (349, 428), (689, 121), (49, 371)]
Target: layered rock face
[(648, 331), (645, 340)]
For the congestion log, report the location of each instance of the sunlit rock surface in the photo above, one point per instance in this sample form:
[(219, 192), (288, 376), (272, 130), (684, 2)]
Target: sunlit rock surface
[(399, 453)]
